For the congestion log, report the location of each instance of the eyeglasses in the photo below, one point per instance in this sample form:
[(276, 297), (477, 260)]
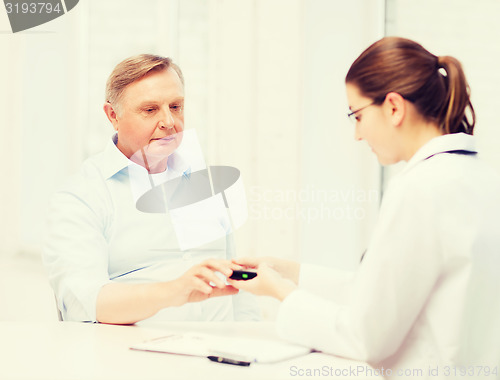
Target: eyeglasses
[(352, 115)]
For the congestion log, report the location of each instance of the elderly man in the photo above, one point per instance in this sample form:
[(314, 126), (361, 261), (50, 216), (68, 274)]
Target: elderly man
[(109, 262)]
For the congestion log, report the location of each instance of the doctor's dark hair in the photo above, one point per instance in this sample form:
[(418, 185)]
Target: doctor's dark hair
[(132, 69), (435, 85)]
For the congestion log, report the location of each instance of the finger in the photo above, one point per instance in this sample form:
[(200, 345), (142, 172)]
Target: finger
[(248, 262), (201, 286), (209, 276), (226, 291), (223, 266), (242, 285), (235, 266)]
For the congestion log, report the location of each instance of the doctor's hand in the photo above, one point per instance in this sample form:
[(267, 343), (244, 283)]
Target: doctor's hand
[(195, 284), (267, 283), (286, 268)]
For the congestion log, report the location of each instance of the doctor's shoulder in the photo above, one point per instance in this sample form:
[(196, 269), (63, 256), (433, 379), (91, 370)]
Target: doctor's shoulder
[(436, 184)]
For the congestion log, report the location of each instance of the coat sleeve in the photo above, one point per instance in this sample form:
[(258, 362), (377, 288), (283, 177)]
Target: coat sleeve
[(321, 280)]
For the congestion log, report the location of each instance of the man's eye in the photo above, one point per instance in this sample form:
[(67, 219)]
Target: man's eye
[(176, 107)]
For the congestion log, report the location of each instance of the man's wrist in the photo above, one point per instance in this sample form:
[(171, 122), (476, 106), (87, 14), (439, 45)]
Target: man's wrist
[(168, 293)]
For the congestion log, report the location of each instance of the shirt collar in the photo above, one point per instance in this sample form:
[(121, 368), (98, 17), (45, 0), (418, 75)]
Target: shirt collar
[(115, 161), (443, 144)]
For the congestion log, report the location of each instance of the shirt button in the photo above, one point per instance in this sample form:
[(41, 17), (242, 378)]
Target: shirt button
[(187, 256)]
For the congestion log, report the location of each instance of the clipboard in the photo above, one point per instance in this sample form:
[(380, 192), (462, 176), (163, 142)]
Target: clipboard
[(244, 350)]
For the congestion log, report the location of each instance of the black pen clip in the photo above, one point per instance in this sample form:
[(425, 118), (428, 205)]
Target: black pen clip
[(220, 359)]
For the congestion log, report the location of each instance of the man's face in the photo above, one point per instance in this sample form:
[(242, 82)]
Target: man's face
[(150, 119)]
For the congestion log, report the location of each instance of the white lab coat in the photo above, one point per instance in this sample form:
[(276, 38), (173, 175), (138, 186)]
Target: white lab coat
[(426, 295)]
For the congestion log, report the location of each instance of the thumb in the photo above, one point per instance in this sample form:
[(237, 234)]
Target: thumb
[(248, 262)]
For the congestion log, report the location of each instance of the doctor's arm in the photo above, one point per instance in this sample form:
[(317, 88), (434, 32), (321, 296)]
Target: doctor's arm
[(401, 265)]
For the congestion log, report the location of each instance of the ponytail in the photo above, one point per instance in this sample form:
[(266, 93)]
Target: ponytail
[(454, 117), (435, 85)]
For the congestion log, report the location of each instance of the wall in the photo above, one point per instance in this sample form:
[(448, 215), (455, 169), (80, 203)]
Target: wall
[(470, 32), (260, 79), (264, 91)]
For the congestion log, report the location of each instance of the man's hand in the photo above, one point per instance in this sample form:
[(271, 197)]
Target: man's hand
[(122, 303), (194, 285)]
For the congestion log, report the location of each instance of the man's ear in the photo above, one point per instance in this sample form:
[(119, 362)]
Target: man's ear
[(111, 114), (395, 108)]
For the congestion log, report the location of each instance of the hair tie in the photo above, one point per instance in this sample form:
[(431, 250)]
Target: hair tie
[(440, 67)]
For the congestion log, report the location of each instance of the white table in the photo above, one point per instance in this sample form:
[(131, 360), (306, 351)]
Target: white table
[(67, 350)]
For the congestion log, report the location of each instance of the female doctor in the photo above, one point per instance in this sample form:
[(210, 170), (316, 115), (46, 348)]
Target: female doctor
[(425, 296)]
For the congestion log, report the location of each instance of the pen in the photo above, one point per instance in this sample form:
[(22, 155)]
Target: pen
[(220, 359)]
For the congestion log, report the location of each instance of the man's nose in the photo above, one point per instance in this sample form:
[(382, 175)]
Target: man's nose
[(167, 121)]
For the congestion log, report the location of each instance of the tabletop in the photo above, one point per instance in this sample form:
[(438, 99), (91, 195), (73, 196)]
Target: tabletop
[(72, 350)]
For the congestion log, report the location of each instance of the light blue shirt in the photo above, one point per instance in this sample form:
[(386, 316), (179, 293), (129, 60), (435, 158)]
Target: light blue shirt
[(97, 236)]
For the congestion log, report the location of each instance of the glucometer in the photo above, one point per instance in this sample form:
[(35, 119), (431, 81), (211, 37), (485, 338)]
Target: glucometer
[(242, 275)]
